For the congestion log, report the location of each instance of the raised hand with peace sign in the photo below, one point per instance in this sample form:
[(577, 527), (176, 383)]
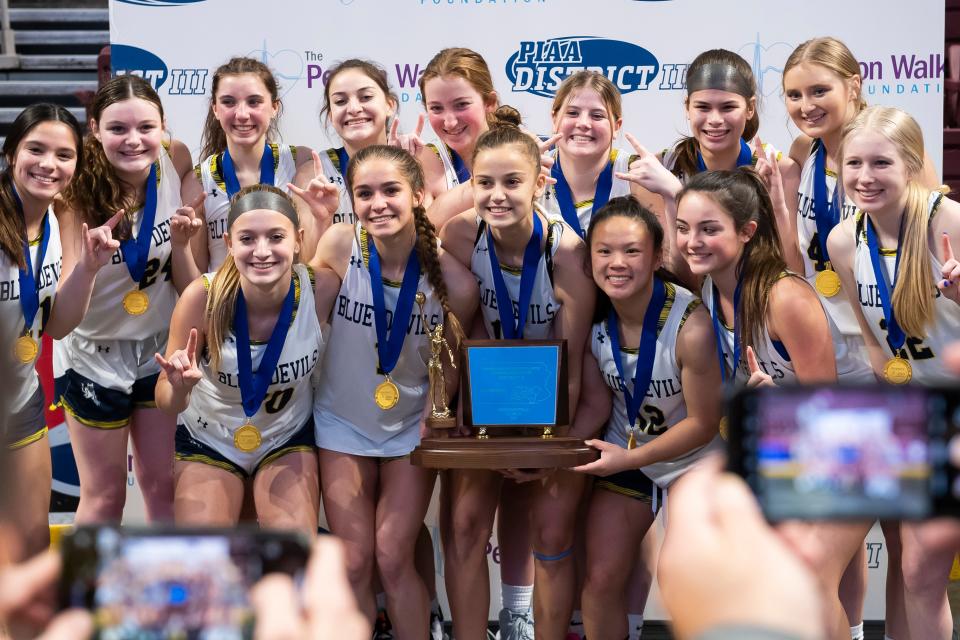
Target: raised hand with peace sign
[(409, 142)]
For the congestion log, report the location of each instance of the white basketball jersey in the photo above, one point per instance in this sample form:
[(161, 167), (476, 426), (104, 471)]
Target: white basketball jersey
[(449, 171), (337, 175), (544, 305), (216, 411), (922, 352), (106, 318), (548, 201), (216, 204), (809, 242), (773, 358), (25, 380), (664, 405), (668, 158), (345, 415)]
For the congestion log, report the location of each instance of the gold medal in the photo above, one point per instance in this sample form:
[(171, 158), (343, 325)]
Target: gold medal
[(828, 283), (26, 349), (632, 440), (247, 438), (386, 395), (136, 302), (724, 427), (897, 370)]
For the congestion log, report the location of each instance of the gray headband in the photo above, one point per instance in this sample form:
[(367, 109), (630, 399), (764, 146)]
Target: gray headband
[(254, 200), (723, 77)]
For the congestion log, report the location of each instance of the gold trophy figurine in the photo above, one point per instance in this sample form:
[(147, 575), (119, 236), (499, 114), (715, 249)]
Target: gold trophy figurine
[(440, 415)]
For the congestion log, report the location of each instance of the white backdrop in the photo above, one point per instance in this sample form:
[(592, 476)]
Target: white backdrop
[(643, 45)]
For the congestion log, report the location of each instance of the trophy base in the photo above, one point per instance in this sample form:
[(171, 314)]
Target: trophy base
[(502, 453), (442, 423)]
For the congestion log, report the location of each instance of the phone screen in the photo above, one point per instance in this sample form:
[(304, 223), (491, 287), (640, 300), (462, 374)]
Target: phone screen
[(151, 586), (839, 452)]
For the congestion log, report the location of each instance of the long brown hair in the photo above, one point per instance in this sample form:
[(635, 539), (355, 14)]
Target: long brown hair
[(214, 139), (688, 147), (12, 225), (96, 192), (464, 63), (222, 293), (743, 196), (913, 294), (427, 249)]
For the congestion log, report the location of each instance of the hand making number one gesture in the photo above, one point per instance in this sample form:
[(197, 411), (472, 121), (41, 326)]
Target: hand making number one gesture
[(181, 369), (757, 376), (950, 285), (185, 222), (647, 171), (99, 244)]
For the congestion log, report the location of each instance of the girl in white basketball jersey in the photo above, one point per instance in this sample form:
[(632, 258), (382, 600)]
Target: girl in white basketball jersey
[(822, 89), (372, 396), (896, 261), (768, 323), (42, 150), (588, 170), (239, 148), (245, 404), (652, 347), (105, 370), (358, 103), (524, 261)]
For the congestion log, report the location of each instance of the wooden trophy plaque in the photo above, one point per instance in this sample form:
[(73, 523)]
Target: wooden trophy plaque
[(515, 402)]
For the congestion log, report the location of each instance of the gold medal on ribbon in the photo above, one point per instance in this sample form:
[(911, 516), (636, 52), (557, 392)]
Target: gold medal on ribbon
[(386, 395), (724, 427), (897, 370), (827, 283), (136, 302), (247, 438), (26, 349), (632, 440)]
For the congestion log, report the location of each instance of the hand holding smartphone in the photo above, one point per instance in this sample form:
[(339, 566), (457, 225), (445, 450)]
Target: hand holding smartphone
[(161, 584), (848, 452)]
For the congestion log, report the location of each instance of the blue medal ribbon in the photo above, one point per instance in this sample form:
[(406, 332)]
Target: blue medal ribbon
[(459, 167), (229, 176), (824, 209), (745, 159), (648, 350), (136, 251), (568, 208), (253, 386), (718, 332), (513, 328), (895, 335), (343, 159), (388, 349), (29, 291)]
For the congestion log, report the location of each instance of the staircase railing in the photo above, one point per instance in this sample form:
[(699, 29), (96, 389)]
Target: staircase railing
[(8, 51)]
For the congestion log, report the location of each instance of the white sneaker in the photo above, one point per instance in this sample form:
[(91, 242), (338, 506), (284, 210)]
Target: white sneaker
[(515, 626), (436, 626)]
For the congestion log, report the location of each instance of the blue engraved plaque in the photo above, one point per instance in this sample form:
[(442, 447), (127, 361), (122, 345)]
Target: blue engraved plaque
[(514, 385)]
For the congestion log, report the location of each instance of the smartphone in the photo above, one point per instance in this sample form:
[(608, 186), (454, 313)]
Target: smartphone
[(160, 584), (847, 452)]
